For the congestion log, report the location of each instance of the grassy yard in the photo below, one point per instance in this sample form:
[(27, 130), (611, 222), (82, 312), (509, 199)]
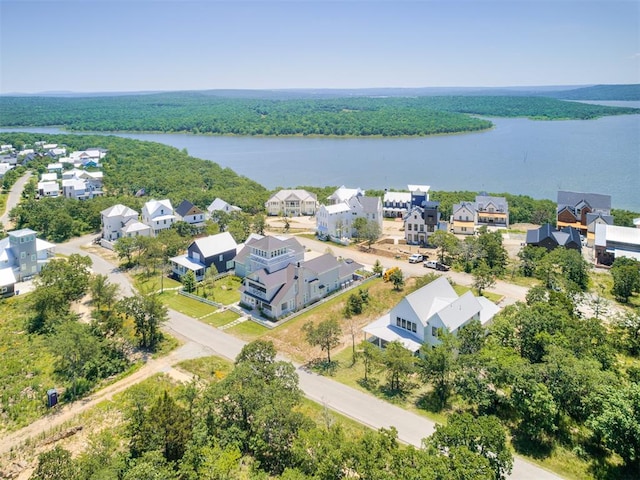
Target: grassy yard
[(220, 318), (461, 290), (186, 305)]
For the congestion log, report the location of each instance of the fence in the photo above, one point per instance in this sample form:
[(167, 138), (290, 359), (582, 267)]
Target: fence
[(200, 299)]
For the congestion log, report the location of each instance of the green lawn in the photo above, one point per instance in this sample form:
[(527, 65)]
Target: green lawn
[(220, 318), (247, 331), (494, 297), (186, 305)]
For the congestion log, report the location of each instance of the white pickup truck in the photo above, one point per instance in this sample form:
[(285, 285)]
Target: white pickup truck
[(416, 258)]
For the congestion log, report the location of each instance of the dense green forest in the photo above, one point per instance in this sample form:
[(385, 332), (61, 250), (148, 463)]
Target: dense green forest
[(202, 112), (601, 92)]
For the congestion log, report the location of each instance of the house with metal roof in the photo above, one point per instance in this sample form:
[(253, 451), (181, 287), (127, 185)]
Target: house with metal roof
[(286, 290), (218, 250), (485, 211), (219, 205), (612, 241), (419, 316), (336, 222), (344, 194), (114, 219), (158, 214), (421, 222), (270, 253), (583, 211), (548, 237), (188, 212)]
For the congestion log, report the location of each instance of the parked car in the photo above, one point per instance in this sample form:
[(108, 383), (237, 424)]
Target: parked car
[(436, 265), (416, 258)]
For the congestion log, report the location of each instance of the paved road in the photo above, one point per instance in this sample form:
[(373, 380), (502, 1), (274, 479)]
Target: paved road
[(512, 293), (202, 340), (360, 406), (13, 199)]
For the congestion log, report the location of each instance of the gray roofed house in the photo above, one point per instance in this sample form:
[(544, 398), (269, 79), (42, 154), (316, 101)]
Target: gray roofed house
[(270, 252), (219, 205), (548, 237), (419, 316), (188, 212), (217, 250), (280, 292), (583, 211)]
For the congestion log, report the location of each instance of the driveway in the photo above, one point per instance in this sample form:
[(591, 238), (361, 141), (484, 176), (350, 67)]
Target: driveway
[(13, 199)]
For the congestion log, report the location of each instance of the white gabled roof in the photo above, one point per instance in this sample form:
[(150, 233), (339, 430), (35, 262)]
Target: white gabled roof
[(152, 206), (419, 188), (343, 194), (337, 208), (430, 299), (118, 210), (302, 195), (216, 244), (135, 226), (49, 177)]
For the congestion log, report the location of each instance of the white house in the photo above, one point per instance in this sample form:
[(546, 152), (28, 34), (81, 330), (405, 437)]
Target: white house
[(344, 194), (24, 254), (48, 189), (219, 205), (55, 167), (4, 168), (418, 317), (336, 221), (189, 213), (114, 219), (292, 203), (49, 177), (158, 214)]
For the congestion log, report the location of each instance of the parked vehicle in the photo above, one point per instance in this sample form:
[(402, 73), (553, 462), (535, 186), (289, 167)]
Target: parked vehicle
[(416, 258), (436, 265)]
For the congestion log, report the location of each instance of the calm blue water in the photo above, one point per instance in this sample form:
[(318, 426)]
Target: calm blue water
[(535, 158)]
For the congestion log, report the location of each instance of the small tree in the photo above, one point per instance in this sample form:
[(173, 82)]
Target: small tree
[(377, 267), (189, 281), (483, 277), (326, 335), (397, 278), (371, 356)]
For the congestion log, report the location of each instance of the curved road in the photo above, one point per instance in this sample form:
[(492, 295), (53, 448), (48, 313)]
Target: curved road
[(202, 339)]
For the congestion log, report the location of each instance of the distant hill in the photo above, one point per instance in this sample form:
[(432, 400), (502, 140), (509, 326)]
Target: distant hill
[(600, 92)]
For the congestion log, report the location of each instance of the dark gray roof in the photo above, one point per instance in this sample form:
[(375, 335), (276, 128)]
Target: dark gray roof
[(499, 202), (595, 200), (608, 219), (184, 207)]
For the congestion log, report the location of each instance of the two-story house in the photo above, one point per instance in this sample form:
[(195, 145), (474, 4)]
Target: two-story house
[(271, 253), (292, 203), (336, 222), (344, 194), (583, 211), (219, 205), (114, 219), (218, 250), (485, 211), (189, 213), (419, 317), (421, 222), (297, 285), (158, 214)]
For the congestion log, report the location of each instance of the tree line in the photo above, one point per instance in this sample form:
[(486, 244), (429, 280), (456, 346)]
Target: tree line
[(200, 113)]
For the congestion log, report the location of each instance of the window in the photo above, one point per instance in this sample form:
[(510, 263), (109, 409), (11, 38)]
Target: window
[(404, 323), (220, 257), (398, 321), (23, 255), (434, 332), (413, 327), (3, 289)]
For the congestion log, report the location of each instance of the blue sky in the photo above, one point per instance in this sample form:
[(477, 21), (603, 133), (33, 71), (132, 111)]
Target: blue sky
[(117, 45)]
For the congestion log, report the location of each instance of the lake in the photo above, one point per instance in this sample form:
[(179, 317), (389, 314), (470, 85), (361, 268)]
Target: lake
[(520, 156)]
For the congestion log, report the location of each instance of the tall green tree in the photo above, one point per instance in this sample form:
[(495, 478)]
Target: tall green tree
[(399, 363), (325, 335), (148, 314), (438, 365)]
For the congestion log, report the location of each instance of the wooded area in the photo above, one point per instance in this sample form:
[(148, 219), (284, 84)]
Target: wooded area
[(200, 113)]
